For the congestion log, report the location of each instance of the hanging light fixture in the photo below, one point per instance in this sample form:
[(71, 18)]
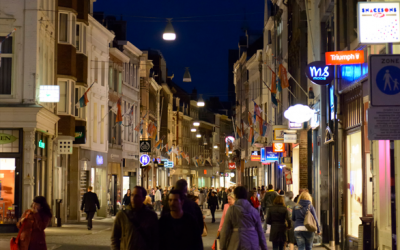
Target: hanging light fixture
[(193, 130), (186, 76), (169, 32), (215, 146), (200, 102), (196, 124), (198, 135)]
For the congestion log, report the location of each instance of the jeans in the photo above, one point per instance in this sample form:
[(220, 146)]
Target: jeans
[(89, 217), (304, 239), (158, 206), (277, 245)]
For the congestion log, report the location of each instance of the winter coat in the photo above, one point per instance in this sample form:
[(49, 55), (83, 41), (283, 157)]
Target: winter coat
[(32, 235), (223, 217), (135, 230), (255, 202), (277, 216), (213, 201), (202, 199), (127, 200), (90, 201), (224, 197), (269, 198), (299, 212), (242, 228), (158, 195)]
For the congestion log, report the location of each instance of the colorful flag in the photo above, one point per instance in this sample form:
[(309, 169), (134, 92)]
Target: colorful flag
[(209, 160), (137, 128), (239, 131), (251, 135), (118, 118), (83, 101), (283, 76), (279, 86), (265, 128), (166, 147), (195, 162), (250, 119), (257, 109), (187, 159), (260, 124), (158, 143), (274, 101), (273, 83), (170, 150)]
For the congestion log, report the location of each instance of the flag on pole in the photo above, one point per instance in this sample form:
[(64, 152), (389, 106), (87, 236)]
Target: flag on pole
[(250, 120), (166, 147), (274, 101), (273, 83), (158, 143), (257, 109), (195, 162), (209, 160), (284, 77), (260, 124), (265, 127), (170, 150), (251, 135), (239, 131), (187, 159), (83, 101), (118, 118)]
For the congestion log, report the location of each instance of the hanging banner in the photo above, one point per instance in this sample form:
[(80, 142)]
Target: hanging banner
[(288, 176)]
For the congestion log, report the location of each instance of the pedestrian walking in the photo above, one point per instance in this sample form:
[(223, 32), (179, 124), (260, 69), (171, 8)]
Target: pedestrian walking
[(254, 200), (127, 198), (164, 201), (189, 206), (208, 198), (136, 227), (278, 218), (90, 202), (291, 240), (152, 196), (301, 190), (176, 227), (147, 202), (304, 238), (224, 197), (219, 196), (242, 225), (268, 200), (213, 204), (158, 200), (32, 224), (202, 199), (231, 201)]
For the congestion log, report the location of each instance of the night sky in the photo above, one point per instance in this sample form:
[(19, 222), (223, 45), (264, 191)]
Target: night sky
[(202, 41)]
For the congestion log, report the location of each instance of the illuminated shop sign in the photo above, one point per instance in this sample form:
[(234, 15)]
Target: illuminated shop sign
[(49, 93), (99, 160), (320, 73), (263, 155), (278, 147), (255, 156), (232, 165), (270, 156), (6, 138), (42, 144), (144, 159), (378, 22), (332, 102), (295, 125), (344, 57)]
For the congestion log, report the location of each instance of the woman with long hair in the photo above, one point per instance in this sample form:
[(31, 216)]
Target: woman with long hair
[(304, 238), (127, 198), (278, 218), (33, 222)]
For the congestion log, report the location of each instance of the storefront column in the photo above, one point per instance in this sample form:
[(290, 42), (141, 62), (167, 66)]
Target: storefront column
[(28, 171)]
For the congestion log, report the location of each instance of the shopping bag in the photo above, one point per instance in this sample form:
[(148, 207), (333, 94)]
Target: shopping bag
[(204, 230)]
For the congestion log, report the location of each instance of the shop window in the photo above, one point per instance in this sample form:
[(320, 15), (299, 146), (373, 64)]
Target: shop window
[(7, 190), (6, 65), (354, 183), (66, 106)]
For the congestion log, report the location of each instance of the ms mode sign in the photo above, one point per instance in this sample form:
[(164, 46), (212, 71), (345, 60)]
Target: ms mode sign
[(320, 73)]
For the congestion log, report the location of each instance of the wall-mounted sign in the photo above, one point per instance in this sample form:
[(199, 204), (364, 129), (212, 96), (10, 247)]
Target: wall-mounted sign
[(378, 22), (144, 159), (278, 147), (344, 57), (320, 73), (169, 164), (49, 93), (229, 138), (99, 160), (232, 165), (6, 138), (288, 176), (255, 156), (262, 150), (232, 175), (279, 132), (295, 125), (290, 138), (286, 160), (42, 144), (298, 113), (205, 171), (80, 135), (145, 146), (270, 155), (332, 101)]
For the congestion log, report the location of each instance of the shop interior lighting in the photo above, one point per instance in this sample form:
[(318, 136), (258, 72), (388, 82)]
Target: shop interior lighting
[(215, 146), (196, 124), (193, 130), (198, 135)]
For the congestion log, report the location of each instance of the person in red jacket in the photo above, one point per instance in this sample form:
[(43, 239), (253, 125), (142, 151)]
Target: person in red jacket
[(33, 223), (254, 200)]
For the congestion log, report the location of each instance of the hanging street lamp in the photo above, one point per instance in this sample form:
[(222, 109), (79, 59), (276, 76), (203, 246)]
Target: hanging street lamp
[(200, 102), (193, 130), (169, 32)]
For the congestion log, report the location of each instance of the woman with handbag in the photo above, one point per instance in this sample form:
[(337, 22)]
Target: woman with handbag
[(32, 225), (278, 218), (305, 222)]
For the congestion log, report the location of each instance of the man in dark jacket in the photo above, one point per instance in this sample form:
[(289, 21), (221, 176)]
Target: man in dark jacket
[(269, 198), (189, 206), (136, 227), (224, 198), (90, 202), (213, 203)]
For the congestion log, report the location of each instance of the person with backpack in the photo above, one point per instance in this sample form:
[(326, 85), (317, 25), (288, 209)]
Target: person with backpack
[(303, 216), (136, 227)]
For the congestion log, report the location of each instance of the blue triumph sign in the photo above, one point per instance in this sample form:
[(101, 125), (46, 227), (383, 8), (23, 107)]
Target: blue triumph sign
[(320, 73)]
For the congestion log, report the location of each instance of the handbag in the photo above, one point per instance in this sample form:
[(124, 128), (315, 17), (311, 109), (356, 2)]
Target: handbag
[(14, 241), (204, 230), (309, 221)]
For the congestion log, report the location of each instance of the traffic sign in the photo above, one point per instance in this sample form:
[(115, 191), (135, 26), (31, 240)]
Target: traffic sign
[(144, 159), (384, 77)]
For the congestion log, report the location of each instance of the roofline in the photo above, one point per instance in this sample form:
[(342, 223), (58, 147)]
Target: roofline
[(131, 48), (98, 25), (121, 56)]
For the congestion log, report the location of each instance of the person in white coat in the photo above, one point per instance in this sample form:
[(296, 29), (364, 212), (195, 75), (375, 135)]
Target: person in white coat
[(242, 227), (158, 200)]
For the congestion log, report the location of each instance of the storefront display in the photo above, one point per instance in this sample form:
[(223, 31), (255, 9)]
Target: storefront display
[(354, 182)]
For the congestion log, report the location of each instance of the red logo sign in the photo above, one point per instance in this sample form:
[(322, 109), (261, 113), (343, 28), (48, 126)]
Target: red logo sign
[(232, 165), (278, 147), (344, 57), (256, 158), (288, 175), (205, 171)]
